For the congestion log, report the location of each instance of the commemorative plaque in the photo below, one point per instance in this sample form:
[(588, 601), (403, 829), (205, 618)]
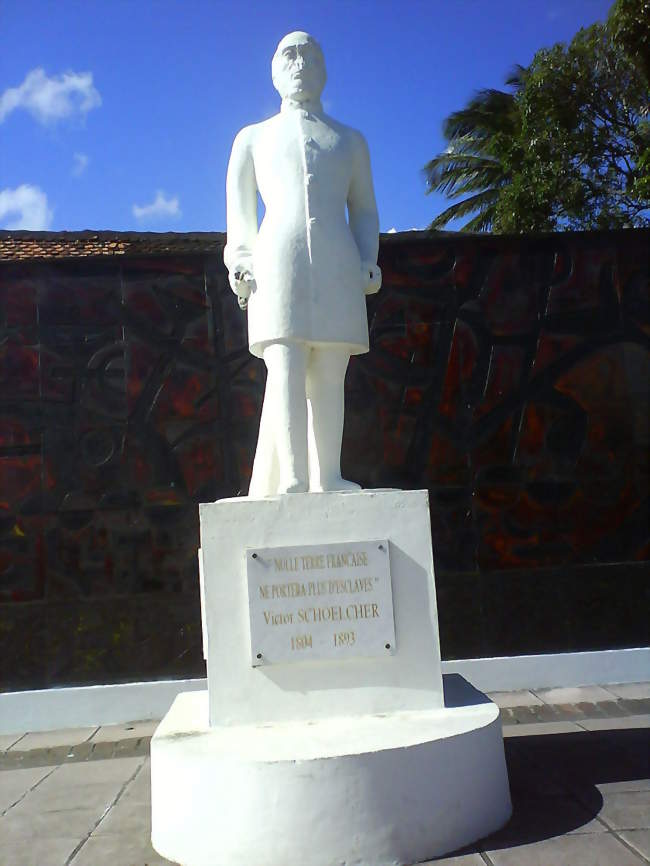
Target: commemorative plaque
[(327, 601)]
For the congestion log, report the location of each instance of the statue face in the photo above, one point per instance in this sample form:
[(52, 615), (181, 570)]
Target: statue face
[(298, 68)]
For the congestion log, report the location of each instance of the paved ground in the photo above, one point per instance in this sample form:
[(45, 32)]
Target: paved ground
[(577, 759)]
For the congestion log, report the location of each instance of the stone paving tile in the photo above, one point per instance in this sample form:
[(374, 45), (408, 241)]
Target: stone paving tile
[(535, 818), (529, 715), (129, 731), (536, 728), (37, 852), (139, 791), (622, 708), (51, 739), (582, 762), (69, 802), (600, 849), (128, 817), (14, 784), (633, 691), (52, 794), (564, 712), (530, 778), (8, 740), (639, 840), (625, 785), (137, 747), (15, 759), (24, 822), (115, 770), (635, 708), (574, 695), (461, 860), (611, 724), (118, 851), (626, 810), (583, 710), (521, 698), (66, 756), (525, 782)]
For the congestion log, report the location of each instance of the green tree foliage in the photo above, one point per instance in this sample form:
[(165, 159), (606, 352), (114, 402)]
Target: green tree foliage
[(629, 25), (568, 149), (479, 136)]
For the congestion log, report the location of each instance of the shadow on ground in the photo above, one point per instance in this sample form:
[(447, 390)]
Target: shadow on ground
[(554, 782)]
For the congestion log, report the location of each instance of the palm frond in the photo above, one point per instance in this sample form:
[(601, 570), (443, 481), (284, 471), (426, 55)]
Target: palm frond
[(482, 222), (516, 77), (488, 112), (455, 175), (484, 202), (476, 162)]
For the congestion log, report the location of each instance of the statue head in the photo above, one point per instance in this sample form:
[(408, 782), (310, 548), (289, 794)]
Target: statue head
[(298, 67)]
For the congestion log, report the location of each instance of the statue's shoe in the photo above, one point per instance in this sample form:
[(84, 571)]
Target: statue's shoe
[(293, 486), (339, 485)]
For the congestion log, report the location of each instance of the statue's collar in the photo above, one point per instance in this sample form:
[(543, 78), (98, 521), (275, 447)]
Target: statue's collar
[(313, 106)]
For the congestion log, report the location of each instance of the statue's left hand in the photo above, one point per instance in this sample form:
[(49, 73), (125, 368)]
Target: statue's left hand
[(371, 277)]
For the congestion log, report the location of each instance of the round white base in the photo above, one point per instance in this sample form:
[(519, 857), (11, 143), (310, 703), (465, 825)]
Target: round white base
[(371, 791)]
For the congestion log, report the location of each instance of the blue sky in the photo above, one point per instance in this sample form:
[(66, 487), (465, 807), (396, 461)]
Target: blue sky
[(120, 114)]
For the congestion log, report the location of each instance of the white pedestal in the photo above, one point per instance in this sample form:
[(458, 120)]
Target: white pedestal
[(357, 759), (408, 680), (376, 790)]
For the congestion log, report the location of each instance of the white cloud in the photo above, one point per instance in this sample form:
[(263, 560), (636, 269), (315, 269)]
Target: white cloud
[(29, 204), (50, 99), (81, 161), (162, 206)]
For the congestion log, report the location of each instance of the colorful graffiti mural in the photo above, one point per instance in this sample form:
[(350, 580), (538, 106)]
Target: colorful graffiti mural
[(509, 376)]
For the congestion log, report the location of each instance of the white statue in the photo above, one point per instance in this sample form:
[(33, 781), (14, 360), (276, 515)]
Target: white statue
[(304, 273)]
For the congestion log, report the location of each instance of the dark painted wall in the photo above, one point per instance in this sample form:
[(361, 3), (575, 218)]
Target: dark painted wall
[(507, 375)]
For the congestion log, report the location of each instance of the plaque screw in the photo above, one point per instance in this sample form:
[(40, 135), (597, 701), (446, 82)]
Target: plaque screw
[(259, 655), (387, 646), (254, 555), (381, 546)]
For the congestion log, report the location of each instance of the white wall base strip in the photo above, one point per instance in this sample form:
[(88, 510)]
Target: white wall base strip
[(84, 706), (508, 673)]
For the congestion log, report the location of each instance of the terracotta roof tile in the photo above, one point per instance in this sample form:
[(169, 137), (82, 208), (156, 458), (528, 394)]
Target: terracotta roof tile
[(26, 245), (23, 245)]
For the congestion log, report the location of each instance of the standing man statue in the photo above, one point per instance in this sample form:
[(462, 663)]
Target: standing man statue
[(304, 273)]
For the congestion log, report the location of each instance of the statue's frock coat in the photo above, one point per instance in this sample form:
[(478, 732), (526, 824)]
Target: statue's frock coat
[(306, 257)]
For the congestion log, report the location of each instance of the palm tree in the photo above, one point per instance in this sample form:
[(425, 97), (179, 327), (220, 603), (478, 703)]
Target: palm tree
[(479, 135)]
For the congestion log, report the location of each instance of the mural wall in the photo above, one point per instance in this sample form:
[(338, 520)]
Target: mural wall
[(509, 376)]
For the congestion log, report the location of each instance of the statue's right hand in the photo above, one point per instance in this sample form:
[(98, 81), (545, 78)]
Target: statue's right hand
[(243, 285)]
